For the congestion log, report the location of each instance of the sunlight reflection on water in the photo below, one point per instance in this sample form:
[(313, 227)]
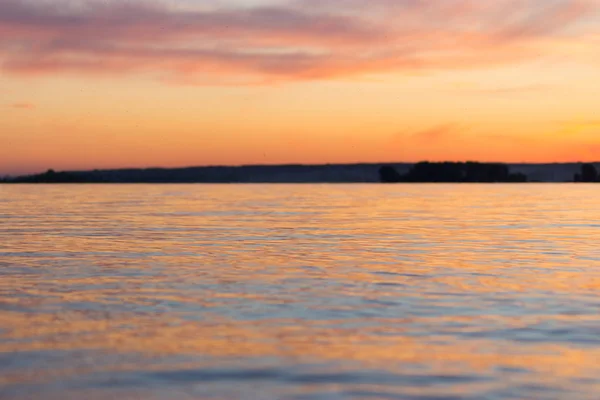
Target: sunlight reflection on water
[(300, 291)]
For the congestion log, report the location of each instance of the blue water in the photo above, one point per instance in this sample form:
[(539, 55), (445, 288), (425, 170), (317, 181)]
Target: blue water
[(300, 292)]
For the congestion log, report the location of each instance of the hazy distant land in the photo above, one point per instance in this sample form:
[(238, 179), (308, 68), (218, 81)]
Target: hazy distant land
[(329, 173)]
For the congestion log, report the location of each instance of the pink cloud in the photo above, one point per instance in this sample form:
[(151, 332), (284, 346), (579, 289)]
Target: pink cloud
[(297, 41)]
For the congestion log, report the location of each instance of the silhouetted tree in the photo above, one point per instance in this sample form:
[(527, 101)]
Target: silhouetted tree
[(436, 172), (589, 173), (462, 172), (388, 174)]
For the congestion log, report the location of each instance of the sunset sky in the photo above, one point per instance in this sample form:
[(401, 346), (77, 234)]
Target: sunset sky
[(124, 83)]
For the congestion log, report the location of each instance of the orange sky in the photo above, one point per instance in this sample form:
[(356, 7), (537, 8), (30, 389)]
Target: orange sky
[(97, 84)]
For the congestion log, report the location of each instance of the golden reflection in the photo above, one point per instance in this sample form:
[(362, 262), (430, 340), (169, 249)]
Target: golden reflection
[(296, 341), (455, 279)]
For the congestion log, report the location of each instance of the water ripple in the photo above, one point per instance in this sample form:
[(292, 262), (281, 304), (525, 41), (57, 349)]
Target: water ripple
[(299, 292)]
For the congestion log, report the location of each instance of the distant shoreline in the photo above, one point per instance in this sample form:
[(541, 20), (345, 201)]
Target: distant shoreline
[(422, 172), (289, 183)]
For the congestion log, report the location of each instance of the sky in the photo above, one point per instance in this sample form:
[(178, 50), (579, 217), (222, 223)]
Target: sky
[(136, 83)]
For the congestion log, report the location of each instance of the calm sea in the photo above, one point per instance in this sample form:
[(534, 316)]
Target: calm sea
[(300, 292)]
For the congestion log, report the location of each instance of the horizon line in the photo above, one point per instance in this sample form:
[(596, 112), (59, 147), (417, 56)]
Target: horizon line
[(296, 165)]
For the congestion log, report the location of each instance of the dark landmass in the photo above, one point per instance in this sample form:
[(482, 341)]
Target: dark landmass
[(330, 173), (588, 174), (468, 172), (51, 176)]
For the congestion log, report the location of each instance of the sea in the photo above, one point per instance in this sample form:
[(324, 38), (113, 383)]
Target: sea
[(303, 292)]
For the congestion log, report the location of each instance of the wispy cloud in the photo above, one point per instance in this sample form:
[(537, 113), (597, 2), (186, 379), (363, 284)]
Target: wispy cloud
[(292, 41), (434, 136), (22, 106), (436, 133)]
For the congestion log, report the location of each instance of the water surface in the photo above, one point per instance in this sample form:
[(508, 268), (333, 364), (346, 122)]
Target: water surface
[(300, 292)]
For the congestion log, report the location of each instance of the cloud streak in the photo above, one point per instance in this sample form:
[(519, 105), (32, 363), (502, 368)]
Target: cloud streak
[(22, 106), (293, 41)]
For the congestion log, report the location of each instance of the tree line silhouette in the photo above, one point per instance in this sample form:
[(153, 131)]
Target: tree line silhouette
[(452, 172), (588, 174), (421, 172), (51, 176)]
